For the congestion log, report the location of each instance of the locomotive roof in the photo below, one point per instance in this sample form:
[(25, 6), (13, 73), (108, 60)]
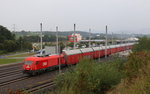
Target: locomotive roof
[(34, 58)]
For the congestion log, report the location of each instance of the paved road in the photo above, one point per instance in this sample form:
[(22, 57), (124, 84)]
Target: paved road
[(6, 56)]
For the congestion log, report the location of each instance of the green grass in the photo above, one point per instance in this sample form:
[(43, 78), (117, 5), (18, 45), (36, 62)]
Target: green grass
[(9, 53), (8, 61), (22, 55)]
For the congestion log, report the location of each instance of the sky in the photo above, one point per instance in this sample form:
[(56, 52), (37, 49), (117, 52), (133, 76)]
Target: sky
[(121, 16)]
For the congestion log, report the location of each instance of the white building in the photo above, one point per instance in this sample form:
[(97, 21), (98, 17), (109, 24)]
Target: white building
[(79, 37), (132, 39)]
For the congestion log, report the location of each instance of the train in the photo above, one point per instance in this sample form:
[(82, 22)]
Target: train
[(34, 64)]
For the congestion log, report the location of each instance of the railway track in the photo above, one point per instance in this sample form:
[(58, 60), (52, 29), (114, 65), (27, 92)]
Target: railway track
[(13, 81), (49, 84), (9, 68), (11, 76), (10, 65), (8, 73)]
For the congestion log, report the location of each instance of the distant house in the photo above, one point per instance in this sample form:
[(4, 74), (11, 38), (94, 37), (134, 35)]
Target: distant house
[(77, 37), (132, 39)]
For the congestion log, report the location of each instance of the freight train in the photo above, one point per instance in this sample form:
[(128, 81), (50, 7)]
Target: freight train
[(33, 65)]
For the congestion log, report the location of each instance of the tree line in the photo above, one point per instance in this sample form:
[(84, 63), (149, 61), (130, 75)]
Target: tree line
[(142, 45), (9, 43), (46, 38)]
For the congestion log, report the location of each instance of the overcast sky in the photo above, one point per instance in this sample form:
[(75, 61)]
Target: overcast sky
[(128, 16)]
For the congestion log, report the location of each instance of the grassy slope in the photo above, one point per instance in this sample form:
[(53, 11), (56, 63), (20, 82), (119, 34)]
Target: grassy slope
[(138, 75), (22, 55), (8, 61), (11, 60)]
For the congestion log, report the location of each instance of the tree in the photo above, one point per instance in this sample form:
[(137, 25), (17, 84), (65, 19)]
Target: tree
[(143, 44), (5, 34), (10, 45), (23, 44)]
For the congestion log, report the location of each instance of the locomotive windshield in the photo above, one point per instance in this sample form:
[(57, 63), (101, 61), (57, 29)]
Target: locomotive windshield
[(28, 62)]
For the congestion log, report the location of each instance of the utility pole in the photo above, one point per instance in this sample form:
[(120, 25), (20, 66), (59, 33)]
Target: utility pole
[(59, 61), (89, 37), (74, 36), (112, 39), (106, 44), (99, 47), (57, 40), (58, 49), (41, 38), (122, 38), (14, 27), (123, 41)]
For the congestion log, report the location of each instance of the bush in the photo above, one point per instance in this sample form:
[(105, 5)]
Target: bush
[(10, 45), (137, 79), (143, 45), (137, 63), (89, 77)]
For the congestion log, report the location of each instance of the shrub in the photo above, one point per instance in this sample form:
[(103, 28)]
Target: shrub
[(89, 77), (143, 45), (137, 79), (137, 62)]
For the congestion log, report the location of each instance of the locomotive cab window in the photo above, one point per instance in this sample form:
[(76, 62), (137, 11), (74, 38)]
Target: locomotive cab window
[(28, 62)]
